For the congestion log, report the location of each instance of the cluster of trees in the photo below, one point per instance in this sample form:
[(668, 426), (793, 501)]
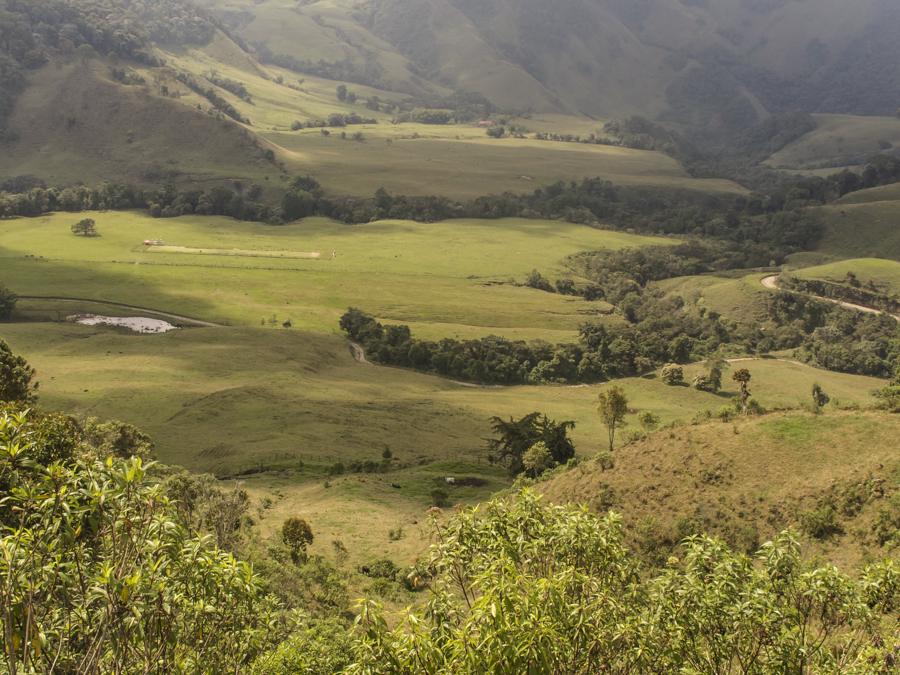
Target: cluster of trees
[(8, 301), (426, 116), (660, 333), (612, 269), (243, 203), (869, 295), (832, 337), (531, 444), (33, 30), (235, 87), (334, 120), (211, 95), (101, 575), (17, 382)]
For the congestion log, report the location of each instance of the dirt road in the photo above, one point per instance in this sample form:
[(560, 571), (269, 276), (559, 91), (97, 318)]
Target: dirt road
[(771, 282)]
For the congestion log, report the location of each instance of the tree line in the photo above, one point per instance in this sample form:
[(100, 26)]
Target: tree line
[(778, 219)]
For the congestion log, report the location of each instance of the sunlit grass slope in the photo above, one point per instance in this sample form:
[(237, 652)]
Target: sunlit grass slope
[(865, 229), (748, 479), (446, 279), (885, 273), (290, 404), (839, 140)]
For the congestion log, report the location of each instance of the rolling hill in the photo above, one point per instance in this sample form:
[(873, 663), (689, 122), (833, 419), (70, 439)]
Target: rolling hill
[(747, 480), (728, 62)]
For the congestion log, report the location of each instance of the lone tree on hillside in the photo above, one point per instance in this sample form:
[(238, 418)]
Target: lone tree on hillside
[(672, 375), (820, 398), (16, 377), (8, 301), (86, 227), (516, 437), (297, 535), (613, 406), (743, 377), (712, 381), (537, 459)]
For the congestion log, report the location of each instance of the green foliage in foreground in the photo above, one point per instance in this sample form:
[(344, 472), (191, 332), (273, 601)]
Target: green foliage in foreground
[(98, 574), (8, 301), (16, 377), (524, 587)]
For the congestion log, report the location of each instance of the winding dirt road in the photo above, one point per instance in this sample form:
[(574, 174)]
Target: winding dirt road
[(188, 320), (771, 282)]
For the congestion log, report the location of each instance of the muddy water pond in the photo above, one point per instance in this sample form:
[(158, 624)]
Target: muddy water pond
[(138, 324)]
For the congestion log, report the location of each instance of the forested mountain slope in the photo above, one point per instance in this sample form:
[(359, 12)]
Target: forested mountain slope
[(726, 61)]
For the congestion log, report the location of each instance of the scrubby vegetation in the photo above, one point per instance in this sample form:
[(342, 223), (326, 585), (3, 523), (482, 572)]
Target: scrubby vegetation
[(521, 586), (99, 573)]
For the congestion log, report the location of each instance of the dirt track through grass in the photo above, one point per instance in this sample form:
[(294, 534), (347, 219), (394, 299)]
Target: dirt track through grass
[(241, 253), (771, 282)]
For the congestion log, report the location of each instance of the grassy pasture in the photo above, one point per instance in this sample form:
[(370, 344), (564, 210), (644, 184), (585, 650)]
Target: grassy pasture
[(290, 404), (747, 479), (450, 278), (862, 230), (885, 273), (453, 160), (470, 167), (741, 298), (839, 140), (883, 193)]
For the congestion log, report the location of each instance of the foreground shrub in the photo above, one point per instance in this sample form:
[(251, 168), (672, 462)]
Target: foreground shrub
[(524, 587), (98, 574)]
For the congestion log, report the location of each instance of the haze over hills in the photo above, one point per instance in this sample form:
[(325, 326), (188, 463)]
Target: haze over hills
[(600, 298), (729, 61)]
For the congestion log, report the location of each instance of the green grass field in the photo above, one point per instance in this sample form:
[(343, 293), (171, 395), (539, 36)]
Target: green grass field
[(885, 273), (289, 404), (739, 298), (749, 479), (862, 230), (456, 160), (281, 406), (445, 279), (838, 141)]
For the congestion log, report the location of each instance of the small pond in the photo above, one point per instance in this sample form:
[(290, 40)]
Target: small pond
[(138, 324)]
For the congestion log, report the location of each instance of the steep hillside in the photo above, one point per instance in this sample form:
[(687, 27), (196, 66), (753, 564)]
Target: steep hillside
[(725, 63), (826, 476), (864, 229), (74, 123), (840, 140)]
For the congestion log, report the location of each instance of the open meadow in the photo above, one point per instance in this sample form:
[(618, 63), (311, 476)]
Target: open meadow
[(859, 228), (885, 274), (279, 409), (456, 278), (838, 141)]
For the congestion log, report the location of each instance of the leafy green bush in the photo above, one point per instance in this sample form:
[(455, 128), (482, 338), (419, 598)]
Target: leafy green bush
[(440, 497), (16, 377), (383, 568), (822, 522), (100, 575), (525, 587), (887, 523), (318, 648)]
